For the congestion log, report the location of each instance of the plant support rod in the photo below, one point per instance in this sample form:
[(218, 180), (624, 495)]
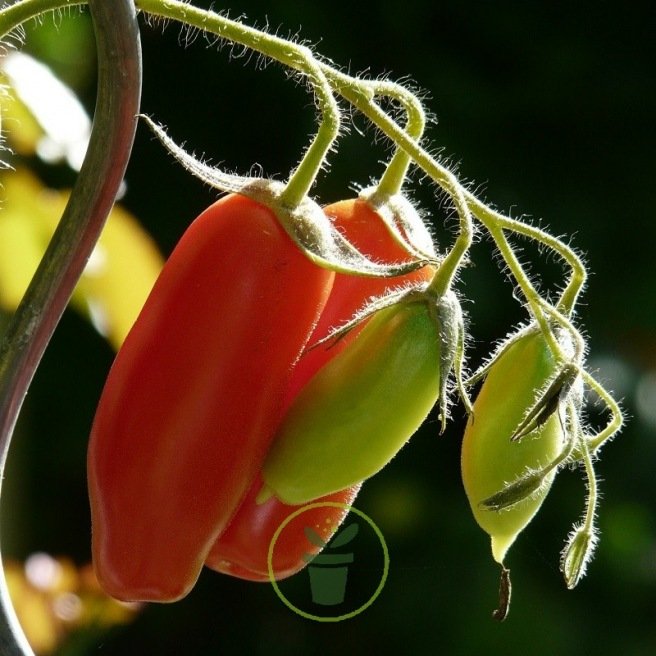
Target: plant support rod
[(26, 337)]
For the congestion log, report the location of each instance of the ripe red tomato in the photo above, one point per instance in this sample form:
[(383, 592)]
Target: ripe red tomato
[(243, 548), (194, 395)]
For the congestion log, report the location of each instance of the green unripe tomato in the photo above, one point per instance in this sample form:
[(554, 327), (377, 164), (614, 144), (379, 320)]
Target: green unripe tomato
[(360, 408), (490, 459)]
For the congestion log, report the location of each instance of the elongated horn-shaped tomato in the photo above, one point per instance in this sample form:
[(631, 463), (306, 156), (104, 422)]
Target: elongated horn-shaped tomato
[(194, 395), (243, 547), (490, 459), (361, 407)]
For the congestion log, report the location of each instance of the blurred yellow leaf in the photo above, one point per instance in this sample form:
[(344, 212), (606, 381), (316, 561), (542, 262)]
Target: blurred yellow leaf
[(21, 129), (44, 117), (119, 276), (25, 229), (120, 272)]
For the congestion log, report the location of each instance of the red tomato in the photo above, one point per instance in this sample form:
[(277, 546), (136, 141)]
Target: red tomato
[(194, 395), (243, 548)]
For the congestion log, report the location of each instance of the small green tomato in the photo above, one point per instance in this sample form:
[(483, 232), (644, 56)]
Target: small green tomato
[(358, 410), (492, 457)]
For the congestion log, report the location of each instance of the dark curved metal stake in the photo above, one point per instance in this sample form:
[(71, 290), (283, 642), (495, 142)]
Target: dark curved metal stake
[(112, 136)]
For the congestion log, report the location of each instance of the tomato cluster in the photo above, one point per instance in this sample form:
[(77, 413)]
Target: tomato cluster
[(198, 390), (255, 381)]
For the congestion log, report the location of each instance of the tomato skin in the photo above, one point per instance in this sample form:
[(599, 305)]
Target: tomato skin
[(359, 410), (256, 524), (186, 414), (242, 549)]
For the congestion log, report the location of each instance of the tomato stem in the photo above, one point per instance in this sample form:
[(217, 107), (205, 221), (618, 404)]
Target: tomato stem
[(346, 87), (360, 93), (616, 416), (20, 12), (30, 329), (578, 276), (394, 176), (533, 298), (303, 177), (291, 54), (583, 539)]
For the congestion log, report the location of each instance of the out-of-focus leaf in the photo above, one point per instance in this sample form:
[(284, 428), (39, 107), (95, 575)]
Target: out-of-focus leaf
[(20, 128), (44, 115), (119, 276), (32, 609), (54, 598), (25, 228), (120, 272), (67, 45)]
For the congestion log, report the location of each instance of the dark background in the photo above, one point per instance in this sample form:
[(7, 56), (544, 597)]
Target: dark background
[(547, 108)]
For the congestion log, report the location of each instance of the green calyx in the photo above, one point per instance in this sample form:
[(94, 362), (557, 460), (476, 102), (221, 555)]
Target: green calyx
[(357, 412), (403, 222), (304, 221)]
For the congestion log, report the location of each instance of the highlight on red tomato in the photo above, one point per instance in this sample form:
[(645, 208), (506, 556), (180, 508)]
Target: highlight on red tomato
[(194, 396)]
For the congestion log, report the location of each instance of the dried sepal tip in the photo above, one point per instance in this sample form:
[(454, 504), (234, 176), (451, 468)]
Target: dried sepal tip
[(577, 553)]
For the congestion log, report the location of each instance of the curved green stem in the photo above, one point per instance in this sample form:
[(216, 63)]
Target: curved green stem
[(616, 416), (593, 494), (578, 277), (564, 321), (293, 55), (582, 540), (536, 303), (392, 179), (344, 85), (359, 94), (20, 12), (303, 177), (530, 293), (26, 337)]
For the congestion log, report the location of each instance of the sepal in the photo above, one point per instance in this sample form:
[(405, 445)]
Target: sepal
[(577, 553), (306, 223)]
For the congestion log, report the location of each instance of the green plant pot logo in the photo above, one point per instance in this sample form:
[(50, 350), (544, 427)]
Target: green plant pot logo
[(328, 571)]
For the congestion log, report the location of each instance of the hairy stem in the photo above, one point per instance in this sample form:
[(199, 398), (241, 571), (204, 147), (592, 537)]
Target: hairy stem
[(533, 299), (394, 176), (578, 276), (616, 417), (303, 177), (360, 93), (26, 337), (20, 12), (349, 89)]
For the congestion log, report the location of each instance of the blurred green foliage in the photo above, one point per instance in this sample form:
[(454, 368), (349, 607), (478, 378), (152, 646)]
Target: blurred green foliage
[(548, 108)]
